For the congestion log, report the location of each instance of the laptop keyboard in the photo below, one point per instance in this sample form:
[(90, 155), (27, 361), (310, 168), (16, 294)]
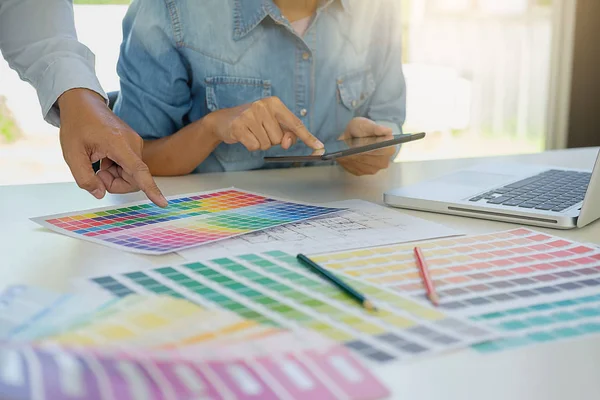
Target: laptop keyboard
[(552, 190)]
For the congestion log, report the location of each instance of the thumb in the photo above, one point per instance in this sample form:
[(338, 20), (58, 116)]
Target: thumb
[(133, 165), (381, 130), (81, 168), (371, 128), (364, 127)]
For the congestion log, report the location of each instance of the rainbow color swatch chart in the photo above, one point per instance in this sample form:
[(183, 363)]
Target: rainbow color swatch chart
[(160, 347), (188, 221), (531, 286), (273, 289)]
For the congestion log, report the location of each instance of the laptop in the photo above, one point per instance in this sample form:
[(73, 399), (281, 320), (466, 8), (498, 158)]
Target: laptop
[(519, 193)]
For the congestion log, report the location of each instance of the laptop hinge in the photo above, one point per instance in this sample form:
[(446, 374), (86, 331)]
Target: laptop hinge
[(498, 214)]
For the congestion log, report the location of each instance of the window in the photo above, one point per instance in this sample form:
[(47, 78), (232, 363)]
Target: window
[(478, 75)]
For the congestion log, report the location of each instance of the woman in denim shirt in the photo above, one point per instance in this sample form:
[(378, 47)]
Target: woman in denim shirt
[(216, 85)]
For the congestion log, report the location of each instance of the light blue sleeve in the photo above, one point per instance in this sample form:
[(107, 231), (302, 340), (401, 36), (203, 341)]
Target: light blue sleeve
[(388, 103), (38, 39), (155, 98)]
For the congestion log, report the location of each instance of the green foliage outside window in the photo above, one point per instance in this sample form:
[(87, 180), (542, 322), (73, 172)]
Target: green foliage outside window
[(9, 130)]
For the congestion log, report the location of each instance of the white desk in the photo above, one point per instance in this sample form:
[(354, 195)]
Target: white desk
[(563, 370)]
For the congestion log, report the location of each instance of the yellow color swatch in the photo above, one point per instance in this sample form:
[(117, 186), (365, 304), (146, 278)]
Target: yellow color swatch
[(330, 332), (148, 321), (114, 332)]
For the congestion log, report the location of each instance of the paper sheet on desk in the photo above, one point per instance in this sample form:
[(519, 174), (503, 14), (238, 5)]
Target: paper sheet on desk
[(364, 224)]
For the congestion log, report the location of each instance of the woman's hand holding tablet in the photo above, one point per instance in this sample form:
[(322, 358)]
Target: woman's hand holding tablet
[(371, 162), (364, 149)]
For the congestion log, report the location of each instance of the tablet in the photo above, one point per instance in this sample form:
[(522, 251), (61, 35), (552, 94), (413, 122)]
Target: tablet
[(344, 148)]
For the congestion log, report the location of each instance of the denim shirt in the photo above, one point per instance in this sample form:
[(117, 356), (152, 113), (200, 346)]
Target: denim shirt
[(182, 59)]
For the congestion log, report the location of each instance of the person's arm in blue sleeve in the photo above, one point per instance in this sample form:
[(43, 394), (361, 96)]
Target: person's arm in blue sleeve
[(155, 97), (388, 105), (386, 110)]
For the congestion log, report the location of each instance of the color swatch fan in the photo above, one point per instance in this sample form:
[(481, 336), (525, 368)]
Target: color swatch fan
[(159, 347), (189, 220)]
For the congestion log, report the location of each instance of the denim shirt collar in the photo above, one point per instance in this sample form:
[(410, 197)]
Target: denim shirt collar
[(248, 14)]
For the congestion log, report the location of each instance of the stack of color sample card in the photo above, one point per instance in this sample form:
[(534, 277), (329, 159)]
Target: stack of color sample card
[(526, 286), (272, 288), (153, 347), (530, 286)]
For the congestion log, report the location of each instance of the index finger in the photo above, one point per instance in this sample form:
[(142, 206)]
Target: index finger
[(134, 166), (291, 123)]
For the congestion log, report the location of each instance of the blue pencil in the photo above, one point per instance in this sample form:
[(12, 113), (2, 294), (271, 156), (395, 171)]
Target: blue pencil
[(355, 294)]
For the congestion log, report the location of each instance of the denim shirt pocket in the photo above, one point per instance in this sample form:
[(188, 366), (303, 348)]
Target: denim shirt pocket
[(354, 90), (227, 92)]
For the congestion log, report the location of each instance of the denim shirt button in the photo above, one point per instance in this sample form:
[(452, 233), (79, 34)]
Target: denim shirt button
[(303, 112), (305, 56)]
